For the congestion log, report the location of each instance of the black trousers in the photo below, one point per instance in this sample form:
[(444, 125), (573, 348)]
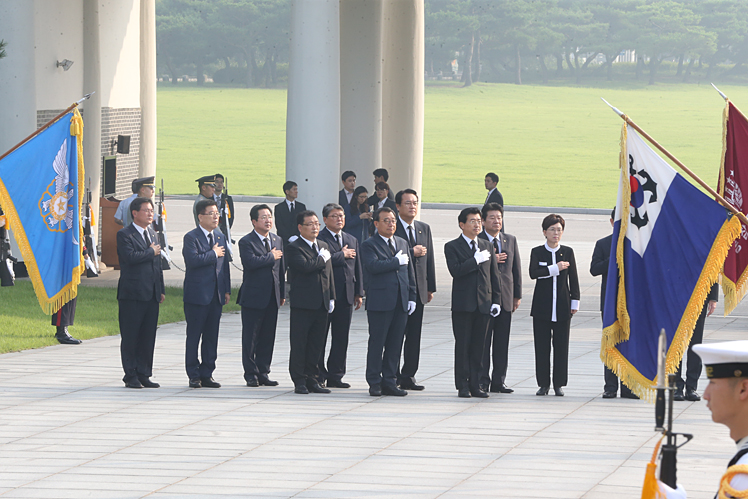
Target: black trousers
[(203, 322), (412, 345), (498, 338), (137, 326), (693, 368), (544, 333), (386, 331), (258, 339), (339, 322), (307, 343), (470, 330), (612, 382), (66, 315)]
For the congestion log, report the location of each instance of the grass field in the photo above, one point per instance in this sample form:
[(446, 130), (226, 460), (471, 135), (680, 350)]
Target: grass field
[(551, 146), (24, 326)]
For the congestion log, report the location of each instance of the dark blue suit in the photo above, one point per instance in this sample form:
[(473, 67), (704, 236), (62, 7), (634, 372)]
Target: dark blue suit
[(343, 201), (349, 283), (263, 289), (389, 287), (141, 284), (206, 282)]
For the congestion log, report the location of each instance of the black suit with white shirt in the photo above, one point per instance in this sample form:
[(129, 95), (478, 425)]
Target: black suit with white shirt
[(556, 294), (285, 218)]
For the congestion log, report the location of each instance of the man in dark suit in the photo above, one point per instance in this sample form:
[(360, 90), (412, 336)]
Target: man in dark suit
[(390, 284), (139, 292), (381, 175), (476, 294), (693, 369), (207, 287), (312, 299), (349, 290), (381, 198), (493, 196), (225, 204), (346, 193), (418, 236), (507, 257), (286, 211), (262, 293)]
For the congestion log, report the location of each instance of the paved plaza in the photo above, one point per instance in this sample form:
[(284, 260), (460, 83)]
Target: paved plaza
[(70, 429)]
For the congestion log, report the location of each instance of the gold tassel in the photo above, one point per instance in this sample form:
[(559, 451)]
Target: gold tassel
[(651, 489), (725, 490)]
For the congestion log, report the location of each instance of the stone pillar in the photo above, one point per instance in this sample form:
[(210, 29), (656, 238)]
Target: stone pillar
[(313, 115), (17, 74), (402, 93), (361, 88), (148, 76), (92, 107)]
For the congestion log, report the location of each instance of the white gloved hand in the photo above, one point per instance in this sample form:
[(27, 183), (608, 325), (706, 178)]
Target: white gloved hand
[(332, 306), (292, 239), (411, 307), (482, 256), (495, 310), (324, 254), (403, 259), (677, 493)]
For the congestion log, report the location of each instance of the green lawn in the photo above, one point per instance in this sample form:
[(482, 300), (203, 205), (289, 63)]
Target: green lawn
[(24, 326), (551, 146)]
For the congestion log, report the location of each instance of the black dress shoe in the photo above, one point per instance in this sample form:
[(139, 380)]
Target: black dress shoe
[(463, 393), (410, 384), (393, 391), (679, 396), (195, 383), (301, 389), (483, 387), (147, 383), (336, 383), (478, 394), (314, 387), (628, 395), (501, 388), (692, 396), (263, 380), (559, 392), (609, 395), (64, 337), (543, 390), (209, 383), (253, 382), (133, 383), (375, 390)]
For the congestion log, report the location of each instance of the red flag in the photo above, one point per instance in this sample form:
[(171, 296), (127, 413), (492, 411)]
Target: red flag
[(733, 183)]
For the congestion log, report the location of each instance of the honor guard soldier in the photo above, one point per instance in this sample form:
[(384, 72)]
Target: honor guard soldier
[(141, 188), (207, 186)]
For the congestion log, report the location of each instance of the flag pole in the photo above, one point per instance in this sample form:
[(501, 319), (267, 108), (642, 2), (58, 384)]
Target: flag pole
[(683, 167), (728, 100), (45, 126)]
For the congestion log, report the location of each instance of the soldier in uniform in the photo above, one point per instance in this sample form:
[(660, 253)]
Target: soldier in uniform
[(207, 186), (225, 204), (141, 188)]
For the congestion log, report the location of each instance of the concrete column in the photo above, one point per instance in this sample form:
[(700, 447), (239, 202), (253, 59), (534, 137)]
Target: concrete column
[(92, 156), (313, 115), (402, 93), (148, 76), (361, 87), (17, 74)]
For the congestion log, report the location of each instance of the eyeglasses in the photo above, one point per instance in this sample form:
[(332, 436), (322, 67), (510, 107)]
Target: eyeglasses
[(554, 229), (146, 211), (388, 221), (411, 203), (337, 215), (211, 214), (265, 218), (312, 224), (474, 222)]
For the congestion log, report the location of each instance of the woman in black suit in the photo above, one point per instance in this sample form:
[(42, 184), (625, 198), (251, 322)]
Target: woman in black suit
[(360, 220), (555, 300)]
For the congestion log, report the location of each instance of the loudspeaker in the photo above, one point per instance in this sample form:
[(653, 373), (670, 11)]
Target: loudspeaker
[(110, 176), (123, 144)]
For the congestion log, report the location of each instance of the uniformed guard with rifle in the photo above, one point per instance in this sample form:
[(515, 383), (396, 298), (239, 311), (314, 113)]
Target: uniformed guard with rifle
[(7, 276)]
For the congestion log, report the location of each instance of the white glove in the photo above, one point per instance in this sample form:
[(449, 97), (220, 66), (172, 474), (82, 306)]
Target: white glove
[(411, 307), (495, 310), (677, 493), (324, 254), (482, 256), (332, 306), (292, 239), (403, 259)]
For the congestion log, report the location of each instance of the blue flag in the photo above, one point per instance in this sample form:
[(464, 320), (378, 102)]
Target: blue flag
[(41, 193), (669, 243)]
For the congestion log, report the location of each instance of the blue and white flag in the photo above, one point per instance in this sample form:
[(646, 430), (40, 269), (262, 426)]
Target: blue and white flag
[(41, 193), (669, 243)]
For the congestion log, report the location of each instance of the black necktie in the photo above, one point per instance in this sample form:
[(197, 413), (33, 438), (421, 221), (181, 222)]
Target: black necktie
[(496, 246), (472, 245), (392, 248), (340, 243), (410, 236), (316, 248), (267, 245), (210, 239), (147, 239)]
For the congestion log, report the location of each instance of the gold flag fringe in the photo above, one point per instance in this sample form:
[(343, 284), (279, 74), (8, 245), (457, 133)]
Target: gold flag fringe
[(50, 305), (725, 489)]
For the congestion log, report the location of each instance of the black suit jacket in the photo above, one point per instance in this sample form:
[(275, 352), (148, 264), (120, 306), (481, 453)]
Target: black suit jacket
[(373, 199), (205, 273), (474, 286), (424, 266), (343, 201), (567, 287), (141, 277), (599, 265), (285, 220), (510, 271), (348, 273), (389, 203), (312, 283), (495, 197), (263, 274), (388, 284)]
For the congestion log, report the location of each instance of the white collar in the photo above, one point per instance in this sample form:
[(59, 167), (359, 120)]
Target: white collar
[(491, 191), (552, 250), (469, 241), (310, 243), (288, 203), (406, 224), (262, 238), (335, 234), (205, 232), (490, 237), (386, 240), (139, 228)]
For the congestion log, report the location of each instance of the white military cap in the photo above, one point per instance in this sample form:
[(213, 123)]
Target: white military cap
[(726, 359)]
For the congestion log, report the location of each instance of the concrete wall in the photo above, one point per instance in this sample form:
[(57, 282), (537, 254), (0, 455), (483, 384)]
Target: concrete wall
[(119, 36)]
